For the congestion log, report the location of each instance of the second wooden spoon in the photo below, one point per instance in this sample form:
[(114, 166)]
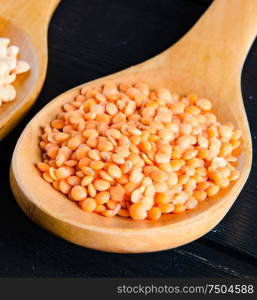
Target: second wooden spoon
[(25, 22)]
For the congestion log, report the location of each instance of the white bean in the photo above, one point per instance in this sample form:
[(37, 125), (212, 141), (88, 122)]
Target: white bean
[(7, 92), (22, 67)]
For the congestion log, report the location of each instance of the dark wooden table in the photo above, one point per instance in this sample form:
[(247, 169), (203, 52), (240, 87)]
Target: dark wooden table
[(90, 39)]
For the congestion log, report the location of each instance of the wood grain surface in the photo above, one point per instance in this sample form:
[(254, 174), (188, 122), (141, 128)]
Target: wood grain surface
[(104, 37)]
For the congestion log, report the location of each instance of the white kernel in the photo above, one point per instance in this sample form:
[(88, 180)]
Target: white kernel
[(21, 67), (7, 92)]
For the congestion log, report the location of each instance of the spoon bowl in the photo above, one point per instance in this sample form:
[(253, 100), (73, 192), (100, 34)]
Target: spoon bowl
[(182, 70), (26, 29)]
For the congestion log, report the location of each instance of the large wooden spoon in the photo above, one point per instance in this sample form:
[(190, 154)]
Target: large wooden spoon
[(208, 60), (25, 22)]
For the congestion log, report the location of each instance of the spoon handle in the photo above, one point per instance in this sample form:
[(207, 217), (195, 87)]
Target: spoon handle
[(218, 43), (32, 16)]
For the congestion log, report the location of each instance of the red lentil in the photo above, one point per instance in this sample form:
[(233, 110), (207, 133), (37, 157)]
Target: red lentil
[(134, 152)]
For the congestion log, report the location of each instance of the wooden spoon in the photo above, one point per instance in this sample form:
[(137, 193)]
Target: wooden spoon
[(25, 22), (208, 60)]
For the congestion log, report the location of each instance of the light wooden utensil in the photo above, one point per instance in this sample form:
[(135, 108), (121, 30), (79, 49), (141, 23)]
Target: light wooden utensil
[(25, 22), (208, 60)]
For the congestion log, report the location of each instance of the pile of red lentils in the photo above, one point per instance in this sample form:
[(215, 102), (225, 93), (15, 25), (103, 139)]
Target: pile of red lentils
[(132, 151)]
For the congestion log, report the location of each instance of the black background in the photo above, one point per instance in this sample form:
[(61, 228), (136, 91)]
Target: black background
[(89, 39)]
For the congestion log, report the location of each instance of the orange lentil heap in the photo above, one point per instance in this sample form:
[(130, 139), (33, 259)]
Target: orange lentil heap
[(131, 151)]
